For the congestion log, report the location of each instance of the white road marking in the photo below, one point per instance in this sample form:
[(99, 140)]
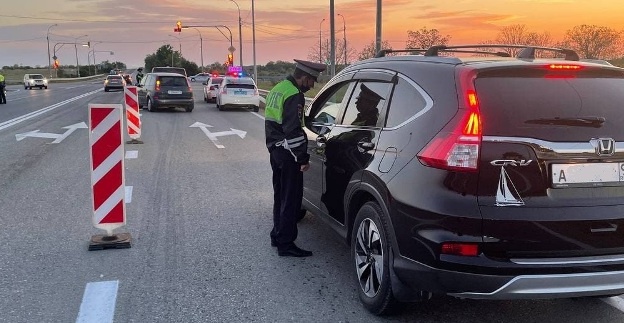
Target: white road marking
[(616, 301), (132, 154), (258, 115), (128, 194), (98, 302), (33, 114)]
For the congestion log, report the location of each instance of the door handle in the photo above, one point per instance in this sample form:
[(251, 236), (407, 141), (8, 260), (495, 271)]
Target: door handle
[(365, 145)]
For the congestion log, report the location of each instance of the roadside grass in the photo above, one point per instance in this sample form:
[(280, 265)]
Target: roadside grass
[(268, 85), (17, 76)]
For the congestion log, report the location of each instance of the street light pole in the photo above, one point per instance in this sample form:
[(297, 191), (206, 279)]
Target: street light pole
[(49, 61), (253, 31), (321, 42), (201, 48), (240, 34), (344, 38), (378, 28), (180, 42), (332, 36), (76, 49)]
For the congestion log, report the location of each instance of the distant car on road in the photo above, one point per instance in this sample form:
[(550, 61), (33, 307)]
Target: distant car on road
[(238, 92), (165, 90), (35, 80), (114, 82), (201, 77), (211, 87)]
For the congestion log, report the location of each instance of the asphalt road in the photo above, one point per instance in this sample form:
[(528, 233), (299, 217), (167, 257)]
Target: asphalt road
[(199, 217)]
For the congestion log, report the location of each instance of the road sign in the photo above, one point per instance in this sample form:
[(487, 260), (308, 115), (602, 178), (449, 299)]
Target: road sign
[(231, 49), (133, 118), (107, 175)]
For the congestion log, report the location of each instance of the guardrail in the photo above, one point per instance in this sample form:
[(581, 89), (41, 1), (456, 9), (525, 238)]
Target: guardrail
[(61, 79)]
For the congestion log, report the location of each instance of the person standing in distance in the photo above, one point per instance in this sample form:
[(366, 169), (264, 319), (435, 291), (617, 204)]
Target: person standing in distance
[(139, 75), (288, 149), (2, 90)]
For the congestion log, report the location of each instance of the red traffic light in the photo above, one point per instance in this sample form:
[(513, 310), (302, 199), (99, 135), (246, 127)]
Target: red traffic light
[(178, 27)]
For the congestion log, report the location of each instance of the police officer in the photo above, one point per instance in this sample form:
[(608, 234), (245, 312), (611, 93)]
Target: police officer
[(139, 75), (287, 144), (2, 90)]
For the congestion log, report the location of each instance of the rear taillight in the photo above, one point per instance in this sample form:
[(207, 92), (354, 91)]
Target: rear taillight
[(212, 88), (224, 90), (460, 249), (564, 67), (158, 85), (256, 91), (456, 147)]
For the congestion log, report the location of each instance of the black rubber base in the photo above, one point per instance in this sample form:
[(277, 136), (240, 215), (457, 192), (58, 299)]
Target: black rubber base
[(134, 141), (117, 241)]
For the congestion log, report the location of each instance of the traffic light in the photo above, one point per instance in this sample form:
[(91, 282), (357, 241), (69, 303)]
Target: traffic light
[(230, 59), (56, 64), (178, 28)]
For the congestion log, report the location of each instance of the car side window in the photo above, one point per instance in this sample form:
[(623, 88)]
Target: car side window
[(329, 106), (368, 99), (407, 101)]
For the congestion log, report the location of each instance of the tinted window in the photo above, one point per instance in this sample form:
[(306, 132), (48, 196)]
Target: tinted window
[(367, 100), (178, 70), (552, 107), (172, 81), (36, 76), (216, 81), (406, 102)]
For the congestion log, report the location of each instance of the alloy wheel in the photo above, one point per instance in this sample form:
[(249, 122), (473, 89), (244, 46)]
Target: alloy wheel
[(369, 257)]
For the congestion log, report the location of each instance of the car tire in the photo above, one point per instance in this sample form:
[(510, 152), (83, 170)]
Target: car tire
[(370, 250), (256, 108), (192, 80), (189, 109), (205, 98), (45, 87), (106, 89), (150, 108)]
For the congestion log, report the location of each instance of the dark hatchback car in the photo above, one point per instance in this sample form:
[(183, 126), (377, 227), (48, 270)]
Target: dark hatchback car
[(476, 177), (165, 90)]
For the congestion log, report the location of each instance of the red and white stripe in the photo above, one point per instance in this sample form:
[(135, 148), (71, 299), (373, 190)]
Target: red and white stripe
[(132, 112), (107, 166)]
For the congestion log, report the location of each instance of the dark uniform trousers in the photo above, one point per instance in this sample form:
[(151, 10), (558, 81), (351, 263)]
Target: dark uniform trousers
[(287, 195)]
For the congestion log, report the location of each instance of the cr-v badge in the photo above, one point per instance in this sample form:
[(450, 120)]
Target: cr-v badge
[(504, 195)]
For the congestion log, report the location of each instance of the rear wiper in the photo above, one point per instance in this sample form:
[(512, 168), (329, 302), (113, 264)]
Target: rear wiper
[(594, 122)]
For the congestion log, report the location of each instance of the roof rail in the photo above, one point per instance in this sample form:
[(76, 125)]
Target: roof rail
[(383, 52), (528, 52)]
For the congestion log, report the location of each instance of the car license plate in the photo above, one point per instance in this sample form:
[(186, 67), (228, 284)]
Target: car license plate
[(240, 92), (174, 92), (587, 175)]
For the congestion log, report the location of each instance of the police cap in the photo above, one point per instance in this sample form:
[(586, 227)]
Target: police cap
[(368, 94), (310, 68)]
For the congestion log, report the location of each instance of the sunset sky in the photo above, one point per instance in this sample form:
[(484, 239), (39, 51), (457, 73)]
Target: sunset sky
[(285, 30)]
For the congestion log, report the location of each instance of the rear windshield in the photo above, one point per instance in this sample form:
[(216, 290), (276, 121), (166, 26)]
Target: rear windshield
[(116, 77), (172, 81), (570, 106), (245, 83), (216, 81), (35, 76), (177, 70)]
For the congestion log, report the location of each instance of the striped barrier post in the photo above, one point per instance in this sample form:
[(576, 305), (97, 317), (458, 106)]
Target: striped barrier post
[(133, 119), (107, 175)]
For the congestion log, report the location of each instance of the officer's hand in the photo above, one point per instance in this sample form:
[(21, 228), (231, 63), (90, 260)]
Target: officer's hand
[(304, 168)]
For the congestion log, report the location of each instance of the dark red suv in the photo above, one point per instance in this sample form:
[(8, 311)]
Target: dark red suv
[(485, 177)]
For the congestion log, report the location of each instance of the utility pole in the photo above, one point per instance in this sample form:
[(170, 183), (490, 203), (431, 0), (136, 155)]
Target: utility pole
[(253, 30), (378, 28), (321, 42), (332, 35)]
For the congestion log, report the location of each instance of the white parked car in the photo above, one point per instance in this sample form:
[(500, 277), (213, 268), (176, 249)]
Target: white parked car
[(238, 92), (201, 77), (211, 87)]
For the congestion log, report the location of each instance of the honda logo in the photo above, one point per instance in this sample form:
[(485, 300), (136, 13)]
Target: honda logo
[(605, 146)]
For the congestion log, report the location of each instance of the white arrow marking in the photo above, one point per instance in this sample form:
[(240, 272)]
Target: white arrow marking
[(70, 129), (57, 137), (213, 136)]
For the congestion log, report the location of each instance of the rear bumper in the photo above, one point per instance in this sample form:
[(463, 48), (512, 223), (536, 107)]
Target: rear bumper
[(240, 102), (498, 287), (164, 103)]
